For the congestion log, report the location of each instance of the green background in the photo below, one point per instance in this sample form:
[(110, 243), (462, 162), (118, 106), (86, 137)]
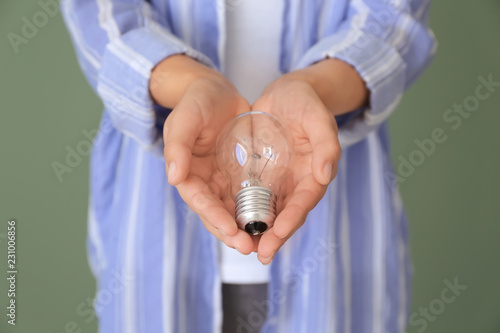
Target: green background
[(452, 199)]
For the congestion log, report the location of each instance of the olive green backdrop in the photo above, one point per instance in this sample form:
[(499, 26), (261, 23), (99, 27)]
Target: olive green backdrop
[(452, 197)]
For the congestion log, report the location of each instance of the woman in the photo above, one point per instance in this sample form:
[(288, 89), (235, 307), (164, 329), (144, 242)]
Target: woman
[(332, 71)]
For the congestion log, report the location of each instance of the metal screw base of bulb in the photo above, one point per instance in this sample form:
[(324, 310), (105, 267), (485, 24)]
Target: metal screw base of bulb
[(255, 209)]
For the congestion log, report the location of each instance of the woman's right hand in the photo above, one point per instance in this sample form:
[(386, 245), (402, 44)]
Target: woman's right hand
[(203, 101)]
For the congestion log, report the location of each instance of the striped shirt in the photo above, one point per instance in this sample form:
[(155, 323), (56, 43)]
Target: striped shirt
[(346, 270)]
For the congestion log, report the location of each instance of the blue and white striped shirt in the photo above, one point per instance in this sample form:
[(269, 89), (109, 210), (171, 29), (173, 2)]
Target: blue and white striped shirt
[(346, 270)]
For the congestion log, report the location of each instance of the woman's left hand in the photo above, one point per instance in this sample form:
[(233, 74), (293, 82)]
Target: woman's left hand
[(316, 147)]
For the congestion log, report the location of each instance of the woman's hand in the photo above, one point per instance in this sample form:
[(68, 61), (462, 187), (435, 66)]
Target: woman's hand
[(314, 133), (306, 102), (204, 101)]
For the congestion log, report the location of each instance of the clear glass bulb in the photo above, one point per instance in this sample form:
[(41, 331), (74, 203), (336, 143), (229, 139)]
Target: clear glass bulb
[(253, 152)]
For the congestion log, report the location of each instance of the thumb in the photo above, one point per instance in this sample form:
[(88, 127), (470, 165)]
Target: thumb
[(322, 131), (182, 127)]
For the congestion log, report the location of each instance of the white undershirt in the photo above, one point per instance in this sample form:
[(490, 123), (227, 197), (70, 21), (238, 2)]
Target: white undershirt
[(253, 34), (253, 37)]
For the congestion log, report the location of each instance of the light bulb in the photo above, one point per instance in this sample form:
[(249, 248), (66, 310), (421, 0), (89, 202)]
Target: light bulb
[(253, 151)]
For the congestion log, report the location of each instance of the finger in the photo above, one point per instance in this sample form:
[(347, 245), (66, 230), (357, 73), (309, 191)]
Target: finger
[(259, 105), (241, 241), (321, 129), (256, 241), (268, 246), (182, 128), (196, 193), (228, 203), (305, 197), (270, 243)]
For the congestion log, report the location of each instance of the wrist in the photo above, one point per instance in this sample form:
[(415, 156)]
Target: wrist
[(171, 78), (338, 84)]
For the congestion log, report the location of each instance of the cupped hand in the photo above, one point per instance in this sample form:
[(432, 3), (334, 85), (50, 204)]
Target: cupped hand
[(317, 151), (190, 133)]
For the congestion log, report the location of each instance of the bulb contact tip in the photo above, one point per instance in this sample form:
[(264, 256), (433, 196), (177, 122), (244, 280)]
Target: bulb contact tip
[(255, 209)]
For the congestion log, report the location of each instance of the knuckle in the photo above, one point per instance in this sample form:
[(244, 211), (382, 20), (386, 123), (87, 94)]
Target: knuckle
[(168, 148)]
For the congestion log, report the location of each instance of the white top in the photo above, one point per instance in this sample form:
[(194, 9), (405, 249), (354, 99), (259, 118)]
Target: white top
[(253, 34)]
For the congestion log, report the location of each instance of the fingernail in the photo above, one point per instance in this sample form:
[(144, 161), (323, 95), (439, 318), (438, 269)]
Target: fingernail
[(267, 261), (171, 171), (280, 236), (327, 172), (238, 249), (270, 257)]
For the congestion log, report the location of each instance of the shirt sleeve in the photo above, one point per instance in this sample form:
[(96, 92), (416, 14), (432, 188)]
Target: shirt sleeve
[(118, 43), (389, 43)]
